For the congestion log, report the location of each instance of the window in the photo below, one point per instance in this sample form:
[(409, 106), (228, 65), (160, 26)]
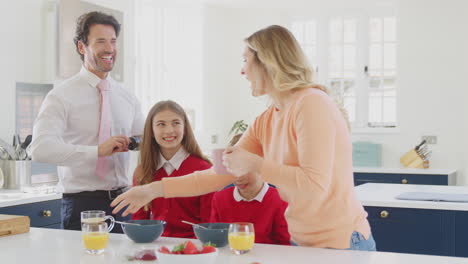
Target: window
[(169, 55), (381, 72), (355, 56), (306, 33), (29, 97), (342, 66)]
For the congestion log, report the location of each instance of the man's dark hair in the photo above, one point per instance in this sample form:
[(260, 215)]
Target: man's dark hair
[(85, 21)]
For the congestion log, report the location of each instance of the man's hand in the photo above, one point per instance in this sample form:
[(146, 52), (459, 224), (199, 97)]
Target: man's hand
[(112, 145)]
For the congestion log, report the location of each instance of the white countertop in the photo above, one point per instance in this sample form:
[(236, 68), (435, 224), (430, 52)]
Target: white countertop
[(405, 170), (383, 195), (63, 246), (16, 197)]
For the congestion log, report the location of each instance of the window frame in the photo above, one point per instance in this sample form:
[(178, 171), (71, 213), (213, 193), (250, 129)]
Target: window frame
[(361, 123)]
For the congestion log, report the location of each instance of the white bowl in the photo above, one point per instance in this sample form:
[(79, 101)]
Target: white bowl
[(206, 258)]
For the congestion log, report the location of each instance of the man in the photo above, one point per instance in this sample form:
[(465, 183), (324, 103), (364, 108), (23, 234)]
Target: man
[(84, 124)]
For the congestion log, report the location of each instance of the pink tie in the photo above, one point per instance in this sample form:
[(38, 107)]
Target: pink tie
[(104, 125)]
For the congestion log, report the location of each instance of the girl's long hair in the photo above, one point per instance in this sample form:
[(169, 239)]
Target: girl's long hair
[(150, 149)]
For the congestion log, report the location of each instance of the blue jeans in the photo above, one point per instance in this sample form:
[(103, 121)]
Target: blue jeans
[(358, 242)]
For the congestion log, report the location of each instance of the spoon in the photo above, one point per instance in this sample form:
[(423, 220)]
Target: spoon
[(197, 225), (127, 223)]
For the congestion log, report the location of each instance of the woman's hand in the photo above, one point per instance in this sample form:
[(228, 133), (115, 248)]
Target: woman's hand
[(137, 197), (240, 162)]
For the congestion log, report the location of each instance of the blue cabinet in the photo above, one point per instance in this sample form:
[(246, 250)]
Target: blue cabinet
[(42, 214), (460, 229), (409, 230), (419, 231), (429, 179)]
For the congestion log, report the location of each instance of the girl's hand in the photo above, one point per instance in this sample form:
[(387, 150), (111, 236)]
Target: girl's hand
[(136, 197), (240, 162)]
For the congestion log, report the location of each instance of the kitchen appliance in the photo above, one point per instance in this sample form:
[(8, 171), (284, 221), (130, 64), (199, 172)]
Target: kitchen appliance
[(16, 173), (134, 143)]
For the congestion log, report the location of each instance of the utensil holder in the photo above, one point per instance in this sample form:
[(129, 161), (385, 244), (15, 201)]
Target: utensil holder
[(412, 160), (16, 173)]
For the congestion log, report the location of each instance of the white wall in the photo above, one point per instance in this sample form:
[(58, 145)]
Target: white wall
[(22, 27), (227, 93), (432, 61)]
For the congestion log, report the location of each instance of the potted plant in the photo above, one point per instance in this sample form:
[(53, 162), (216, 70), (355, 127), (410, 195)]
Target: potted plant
[(238, 128)]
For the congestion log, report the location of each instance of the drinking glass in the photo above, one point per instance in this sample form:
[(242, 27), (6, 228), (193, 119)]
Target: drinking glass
[(95, 237), (96, 217), (95, 232), (241, 237), (217, 156), (124, 132)]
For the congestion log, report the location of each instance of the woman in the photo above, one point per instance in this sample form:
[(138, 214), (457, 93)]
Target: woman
[(300, 144)]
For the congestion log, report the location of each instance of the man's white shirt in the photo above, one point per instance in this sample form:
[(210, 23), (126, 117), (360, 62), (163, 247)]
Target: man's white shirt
[(66, 132)]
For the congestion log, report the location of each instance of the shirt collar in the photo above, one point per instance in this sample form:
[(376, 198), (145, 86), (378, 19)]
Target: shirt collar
[(176, 160), (259, 197), (91, 78)]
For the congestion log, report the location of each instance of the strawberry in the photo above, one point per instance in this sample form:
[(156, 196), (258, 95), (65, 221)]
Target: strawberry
[(147, 254), (164, 249), (178, 249), (190, 248), (208, 248)]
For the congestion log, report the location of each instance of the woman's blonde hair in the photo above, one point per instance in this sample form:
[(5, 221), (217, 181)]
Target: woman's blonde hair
[(280, 56), (149, 148)]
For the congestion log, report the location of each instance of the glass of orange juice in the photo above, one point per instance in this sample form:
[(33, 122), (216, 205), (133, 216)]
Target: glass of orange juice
[(95, 232), (241, 237), (95, 237)]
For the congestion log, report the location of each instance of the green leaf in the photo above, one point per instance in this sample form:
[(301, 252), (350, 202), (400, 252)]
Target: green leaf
[(238, 127), (179, 247), (209, 244)]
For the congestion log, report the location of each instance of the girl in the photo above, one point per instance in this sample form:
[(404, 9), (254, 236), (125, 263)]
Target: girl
[(168, 150), (301, 144)]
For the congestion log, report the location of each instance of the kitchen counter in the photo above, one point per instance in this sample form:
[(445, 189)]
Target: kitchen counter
[(383, 195), (63, 246), (405, 171), (16, 197)]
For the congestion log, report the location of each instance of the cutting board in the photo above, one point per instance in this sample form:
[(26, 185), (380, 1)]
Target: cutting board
[(13, 224)]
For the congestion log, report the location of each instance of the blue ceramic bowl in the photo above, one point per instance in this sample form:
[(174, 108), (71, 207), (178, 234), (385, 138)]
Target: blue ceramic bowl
[(146, 232), (217, 233)]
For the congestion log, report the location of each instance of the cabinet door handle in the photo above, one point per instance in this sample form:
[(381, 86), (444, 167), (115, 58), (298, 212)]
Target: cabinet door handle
[(47, 213), (384, 214), (404, 181)]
